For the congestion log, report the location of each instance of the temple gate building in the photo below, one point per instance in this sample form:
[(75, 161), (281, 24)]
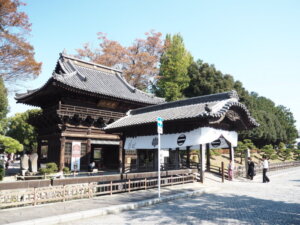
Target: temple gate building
[(77, 102)]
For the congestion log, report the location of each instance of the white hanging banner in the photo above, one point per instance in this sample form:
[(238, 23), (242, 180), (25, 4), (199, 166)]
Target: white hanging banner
[(76, 154), (198, 136)]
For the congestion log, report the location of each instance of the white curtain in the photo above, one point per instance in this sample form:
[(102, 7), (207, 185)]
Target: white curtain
[(198, 136)]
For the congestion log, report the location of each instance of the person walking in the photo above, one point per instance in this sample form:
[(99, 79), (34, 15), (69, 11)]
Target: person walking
[(251, 171), (230, 170), (265, 169)]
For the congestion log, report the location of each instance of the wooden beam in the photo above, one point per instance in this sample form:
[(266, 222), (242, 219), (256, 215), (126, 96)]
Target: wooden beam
[(98, 136)]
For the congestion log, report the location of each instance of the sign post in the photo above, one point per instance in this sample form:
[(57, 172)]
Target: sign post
[(159, 132)]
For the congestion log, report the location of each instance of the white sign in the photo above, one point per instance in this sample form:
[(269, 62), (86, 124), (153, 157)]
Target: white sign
[(159, 125), (163, 153), (76, 154)]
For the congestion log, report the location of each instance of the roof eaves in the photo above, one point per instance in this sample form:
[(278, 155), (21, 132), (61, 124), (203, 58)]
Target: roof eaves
[(31, 92)]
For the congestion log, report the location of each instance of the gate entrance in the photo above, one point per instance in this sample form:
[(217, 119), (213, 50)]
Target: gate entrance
[(105, 157)]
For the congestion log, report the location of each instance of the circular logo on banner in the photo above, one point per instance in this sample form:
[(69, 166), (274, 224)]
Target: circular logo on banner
[(216, 143), (181, 139)]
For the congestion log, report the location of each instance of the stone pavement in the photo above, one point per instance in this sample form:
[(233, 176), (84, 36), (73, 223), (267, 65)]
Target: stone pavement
[(238, 202)]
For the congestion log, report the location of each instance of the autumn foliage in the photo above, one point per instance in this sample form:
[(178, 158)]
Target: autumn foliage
[(16, 54), (139, 62)]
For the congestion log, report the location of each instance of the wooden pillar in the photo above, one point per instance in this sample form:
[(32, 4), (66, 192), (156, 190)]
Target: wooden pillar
[(208, 157), (121, 157), (39, 152), (88, 151), (202, 153), (188, 156), (62, 153), (231, 150), (177, 159)]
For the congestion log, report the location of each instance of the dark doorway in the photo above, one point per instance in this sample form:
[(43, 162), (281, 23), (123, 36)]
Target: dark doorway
[(146, 160), (106, 157)]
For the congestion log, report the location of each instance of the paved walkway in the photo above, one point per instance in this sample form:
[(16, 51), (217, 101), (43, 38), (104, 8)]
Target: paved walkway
[(238, 202)]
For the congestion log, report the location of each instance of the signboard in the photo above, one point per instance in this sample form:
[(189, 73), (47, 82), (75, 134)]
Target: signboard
[(76, 154), (159, 125)]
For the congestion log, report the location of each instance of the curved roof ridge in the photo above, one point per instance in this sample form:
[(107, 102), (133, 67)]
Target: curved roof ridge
[(190, 101), (130, 87), (89, 63), (84, 78)]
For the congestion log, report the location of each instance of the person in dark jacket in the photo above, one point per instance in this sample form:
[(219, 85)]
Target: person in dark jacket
[(251, 171)]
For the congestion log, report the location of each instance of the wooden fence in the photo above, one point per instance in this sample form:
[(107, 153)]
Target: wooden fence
[(43, 195)]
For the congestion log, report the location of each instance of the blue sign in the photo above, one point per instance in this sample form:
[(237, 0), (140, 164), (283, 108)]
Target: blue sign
[(159, 125)]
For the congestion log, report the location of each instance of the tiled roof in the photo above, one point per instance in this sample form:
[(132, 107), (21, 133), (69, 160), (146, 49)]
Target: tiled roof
[(96, 79), (209, 106)]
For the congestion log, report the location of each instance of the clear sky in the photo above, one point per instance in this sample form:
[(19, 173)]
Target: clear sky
[(258, 42)]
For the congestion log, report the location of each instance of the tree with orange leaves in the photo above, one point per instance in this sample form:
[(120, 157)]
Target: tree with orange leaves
[(16, 54), (139, 61)]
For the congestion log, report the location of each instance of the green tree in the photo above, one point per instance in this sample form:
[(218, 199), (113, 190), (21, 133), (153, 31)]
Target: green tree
[(21, 130), (205, 79), (10, 145), (242, 148), (287, 121), (174, 69), (3, 101), (269, 151)]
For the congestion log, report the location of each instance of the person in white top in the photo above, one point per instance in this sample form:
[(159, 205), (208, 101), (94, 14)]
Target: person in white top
[(265, 169)]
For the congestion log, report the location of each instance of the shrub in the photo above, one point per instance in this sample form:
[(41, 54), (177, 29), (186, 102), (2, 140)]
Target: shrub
[(66, 170), (50, 168)]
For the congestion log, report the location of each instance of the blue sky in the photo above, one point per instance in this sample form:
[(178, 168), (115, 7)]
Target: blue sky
[(258, 42)]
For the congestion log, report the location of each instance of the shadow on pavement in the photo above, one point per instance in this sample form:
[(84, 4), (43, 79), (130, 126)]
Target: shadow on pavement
[(219, 209)]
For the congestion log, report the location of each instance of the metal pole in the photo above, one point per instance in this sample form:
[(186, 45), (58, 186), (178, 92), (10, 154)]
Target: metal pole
[(158, 157)]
